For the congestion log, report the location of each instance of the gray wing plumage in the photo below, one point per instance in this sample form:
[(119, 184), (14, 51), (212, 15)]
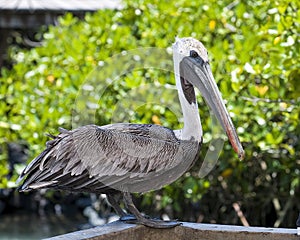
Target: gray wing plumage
[(123, 157)]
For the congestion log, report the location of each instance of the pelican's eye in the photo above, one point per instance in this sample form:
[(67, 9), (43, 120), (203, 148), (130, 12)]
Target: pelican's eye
[(193, 54)]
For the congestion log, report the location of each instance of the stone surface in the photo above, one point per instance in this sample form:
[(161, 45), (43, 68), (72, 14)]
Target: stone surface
[(121, 231)]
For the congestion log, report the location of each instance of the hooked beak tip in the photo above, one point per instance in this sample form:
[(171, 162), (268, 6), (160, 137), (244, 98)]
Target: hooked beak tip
[(241, 154)]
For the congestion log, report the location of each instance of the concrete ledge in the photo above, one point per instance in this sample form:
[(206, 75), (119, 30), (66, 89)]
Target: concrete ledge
[(121, 231)]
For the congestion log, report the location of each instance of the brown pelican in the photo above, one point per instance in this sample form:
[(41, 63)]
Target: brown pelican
[(124, 158)]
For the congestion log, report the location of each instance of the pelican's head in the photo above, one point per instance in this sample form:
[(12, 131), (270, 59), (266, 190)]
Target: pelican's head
[(192, 68), (184, 47)]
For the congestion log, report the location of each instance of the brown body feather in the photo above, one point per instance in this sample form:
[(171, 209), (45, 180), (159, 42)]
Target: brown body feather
[(117, 157)]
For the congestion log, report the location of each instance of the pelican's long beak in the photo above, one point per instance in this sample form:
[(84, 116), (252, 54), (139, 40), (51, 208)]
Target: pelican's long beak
[(198, 72)]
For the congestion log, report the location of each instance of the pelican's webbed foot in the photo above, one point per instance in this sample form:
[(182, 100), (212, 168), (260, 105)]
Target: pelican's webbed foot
[(138, 218), (154, 223), (157, 223)]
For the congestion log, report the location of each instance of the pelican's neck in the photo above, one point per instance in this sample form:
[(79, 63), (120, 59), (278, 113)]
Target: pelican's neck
[(192, 128)]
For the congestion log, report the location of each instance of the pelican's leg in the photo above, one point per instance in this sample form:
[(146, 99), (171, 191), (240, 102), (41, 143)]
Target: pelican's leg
[(112, 201), (154, 223)]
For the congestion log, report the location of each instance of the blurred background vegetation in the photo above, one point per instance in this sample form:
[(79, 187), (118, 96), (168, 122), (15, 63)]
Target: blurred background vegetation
[(254, 51)]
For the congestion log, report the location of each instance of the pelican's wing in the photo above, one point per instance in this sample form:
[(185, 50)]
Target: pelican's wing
[(144, 130), (92, 158)]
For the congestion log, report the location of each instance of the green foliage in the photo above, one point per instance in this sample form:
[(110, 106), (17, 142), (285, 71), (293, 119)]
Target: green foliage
[(254, 50)]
